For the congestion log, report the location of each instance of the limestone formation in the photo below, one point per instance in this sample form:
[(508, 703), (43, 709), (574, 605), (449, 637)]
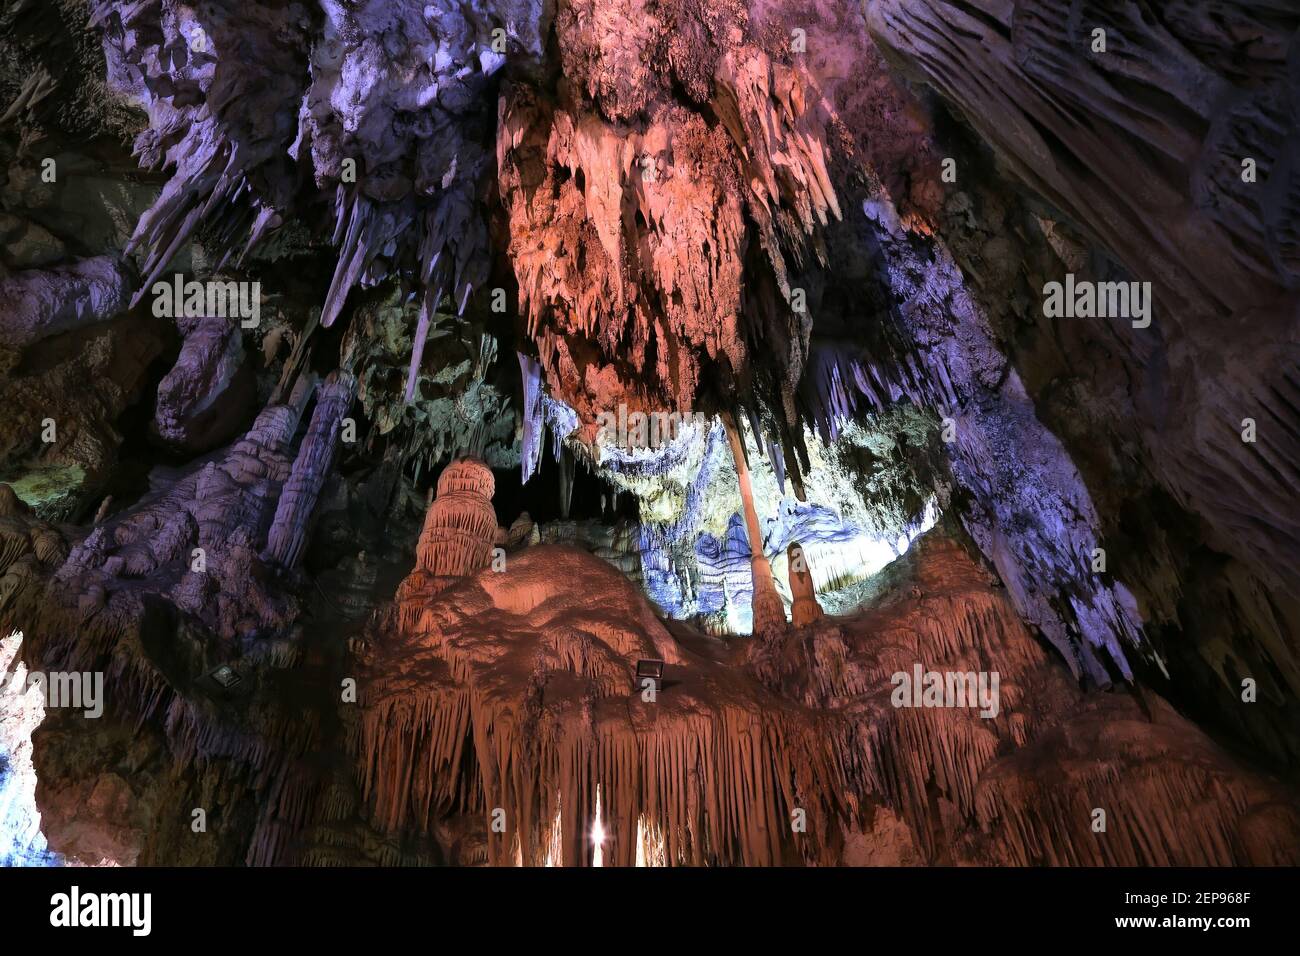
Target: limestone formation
[(460, 526), (515, 691), (936, 559), (805, 609)]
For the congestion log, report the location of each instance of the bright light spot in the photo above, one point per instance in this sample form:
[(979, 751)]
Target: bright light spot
[(650, 849), (22, 708), (554, 846), (598, 835), (839, 564)]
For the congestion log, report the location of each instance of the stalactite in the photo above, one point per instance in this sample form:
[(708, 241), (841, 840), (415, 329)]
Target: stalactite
[(621, 251), (417, 350), (566, 465), (768, 611), (672, 200), (530, 454), (1016, 471)]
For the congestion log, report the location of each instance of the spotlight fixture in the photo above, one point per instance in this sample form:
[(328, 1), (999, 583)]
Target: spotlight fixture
[(225, 675), (651, 669)]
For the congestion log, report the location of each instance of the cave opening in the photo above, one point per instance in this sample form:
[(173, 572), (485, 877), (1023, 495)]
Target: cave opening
[(592, 498), (22, 710)]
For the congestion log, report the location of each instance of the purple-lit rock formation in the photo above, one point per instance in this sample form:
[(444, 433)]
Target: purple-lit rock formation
[(1015, 470), (1220, 247), (311, 467), (204, 399), (40, 303), (364, 572)]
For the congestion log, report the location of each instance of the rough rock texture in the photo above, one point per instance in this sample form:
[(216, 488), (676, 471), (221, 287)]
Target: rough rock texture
[(1220, 251), (44, 302), (387, 99), (154, 598), (515, 691), (1154, 417), (221, 130), (1016, 471), (224, 508), (399, 89), (205, 398), (456, 397), (741, 209), (21, 710), (311, 467), (459, 529), (80, 384), (633, 210), (865, 499)]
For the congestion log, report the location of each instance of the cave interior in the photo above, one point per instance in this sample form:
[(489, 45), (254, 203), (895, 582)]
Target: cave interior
[(649, 432)]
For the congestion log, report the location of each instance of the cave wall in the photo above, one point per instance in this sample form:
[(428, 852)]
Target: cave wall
[(736, 209), (1196, 520)]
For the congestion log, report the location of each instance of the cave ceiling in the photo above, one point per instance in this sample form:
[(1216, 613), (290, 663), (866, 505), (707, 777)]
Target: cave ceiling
[(473, 351)]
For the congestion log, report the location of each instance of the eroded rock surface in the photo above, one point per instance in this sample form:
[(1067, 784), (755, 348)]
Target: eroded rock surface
[(517, 691), (315, 559)]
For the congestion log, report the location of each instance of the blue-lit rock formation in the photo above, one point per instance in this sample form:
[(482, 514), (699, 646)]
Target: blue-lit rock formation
[(1016, 472), (694, 549), (21, 710)]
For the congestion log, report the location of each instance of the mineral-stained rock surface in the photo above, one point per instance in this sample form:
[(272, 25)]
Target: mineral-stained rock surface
[(203, 398), (460, 527), (516, 691), (598, 335), (45, 302)]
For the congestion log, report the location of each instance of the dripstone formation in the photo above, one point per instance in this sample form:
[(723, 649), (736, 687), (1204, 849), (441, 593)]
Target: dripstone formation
[(937, 570)]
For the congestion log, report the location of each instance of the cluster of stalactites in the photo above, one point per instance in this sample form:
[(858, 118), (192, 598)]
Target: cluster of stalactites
[(673, 246)]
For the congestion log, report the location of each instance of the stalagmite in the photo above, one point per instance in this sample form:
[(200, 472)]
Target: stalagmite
[(205, 398), (513, 692), (310, 469), (460, 525), (769, 612), (658, 205), (805, 609)]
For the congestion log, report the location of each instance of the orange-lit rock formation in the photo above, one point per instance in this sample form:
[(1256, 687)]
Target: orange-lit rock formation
[(460, 526), (804, 609), (511, 700), (769, 614), (655, 237)]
